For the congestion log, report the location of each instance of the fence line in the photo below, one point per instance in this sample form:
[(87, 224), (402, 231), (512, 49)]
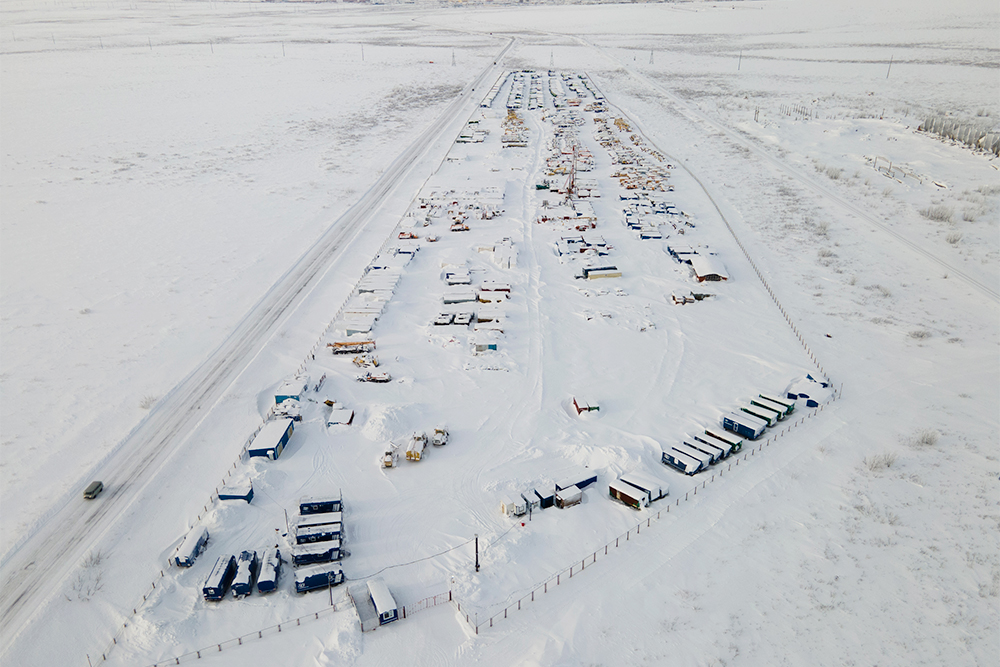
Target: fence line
[(579, 565)]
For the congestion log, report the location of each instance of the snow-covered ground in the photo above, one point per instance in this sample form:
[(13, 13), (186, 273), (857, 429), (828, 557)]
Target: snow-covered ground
[(143, 143)]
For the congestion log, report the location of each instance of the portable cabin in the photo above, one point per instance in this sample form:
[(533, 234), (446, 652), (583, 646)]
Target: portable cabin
[(695, 453), (514, 507), (744, 424), (681, 461), (593, 273), (581, 481), (715, 452), (726, 447), (789, 405), (246, 572), (317, 534), (460, 296), (320, 552), (726, 436), (628, 494), (545, 500), (777, 408), (293, 388), (385, 605), (651, 485), (320, 504), (569, 496), (270, 569), (769, 417), (324, 519), (219, 578), (271, 440), (317, 576), (191, 546), (237, 491)]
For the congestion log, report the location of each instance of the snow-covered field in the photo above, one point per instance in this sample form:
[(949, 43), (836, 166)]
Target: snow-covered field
[(164, 164)]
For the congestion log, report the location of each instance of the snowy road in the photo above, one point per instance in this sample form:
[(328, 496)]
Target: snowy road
[(37, 568), (692, 113)]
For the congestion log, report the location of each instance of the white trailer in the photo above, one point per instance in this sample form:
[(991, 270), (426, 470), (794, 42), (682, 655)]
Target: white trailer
[(654, 487), (697, 454)]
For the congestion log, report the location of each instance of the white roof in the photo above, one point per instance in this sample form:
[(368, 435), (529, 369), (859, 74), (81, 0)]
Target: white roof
[(271, 433), (381, 596), (705, 265)]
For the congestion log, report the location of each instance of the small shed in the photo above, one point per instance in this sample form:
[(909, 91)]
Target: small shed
[(385, 604), (271, 440), (237, 491), (545, 500), (293, 388), (568, 497)]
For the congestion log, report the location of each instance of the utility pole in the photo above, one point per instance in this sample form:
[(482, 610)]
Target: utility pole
[(362, 53), (477, 552), (650, 57), (890, 67), (739, 63)]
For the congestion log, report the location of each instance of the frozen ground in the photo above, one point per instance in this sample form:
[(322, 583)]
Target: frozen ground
[(811, 555)]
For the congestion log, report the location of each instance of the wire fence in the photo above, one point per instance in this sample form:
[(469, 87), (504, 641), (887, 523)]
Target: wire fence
[(577, 567)]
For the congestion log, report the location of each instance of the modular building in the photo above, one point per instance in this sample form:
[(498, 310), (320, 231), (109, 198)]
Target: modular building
[(385, 605), (651, 485), (545, 500), (246, 571), (237, 491), (191, 546), (270, 569), (727, 448), (569, 496), (744, 424), (715, 452), (769, 417), (317, 534), (735, 441), (681, 461), (779, 408), (324, 519), (695, 453), (581, 481), (789, 405), (628, 494), (319, 552), (317, 576), (319, 504), (271, 440), (293, 388), (219, 578)]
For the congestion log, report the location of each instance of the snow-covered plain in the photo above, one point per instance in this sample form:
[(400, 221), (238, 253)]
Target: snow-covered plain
[(143, 143)]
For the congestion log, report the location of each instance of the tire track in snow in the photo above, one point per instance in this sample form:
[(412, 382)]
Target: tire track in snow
[(695, 115), (35, 570)]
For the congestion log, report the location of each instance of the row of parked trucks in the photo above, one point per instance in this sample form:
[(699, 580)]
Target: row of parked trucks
[(700, 451)]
